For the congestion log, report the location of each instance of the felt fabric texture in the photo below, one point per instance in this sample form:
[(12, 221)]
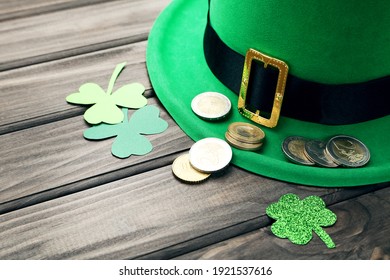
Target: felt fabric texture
[(178, 72), (350, 43)]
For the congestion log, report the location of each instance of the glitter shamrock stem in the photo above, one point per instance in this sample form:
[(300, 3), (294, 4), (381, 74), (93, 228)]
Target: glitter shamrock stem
[(114, 76), (324, 237)]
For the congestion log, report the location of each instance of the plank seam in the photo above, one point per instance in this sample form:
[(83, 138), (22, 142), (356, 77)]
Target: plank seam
[(39, 59), (88, 183), (244, 227), (50, 118), (50, 9)]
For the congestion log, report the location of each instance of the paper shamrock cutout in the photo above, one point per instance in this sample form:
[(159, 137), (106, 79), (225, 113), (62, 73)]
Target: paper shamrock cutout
[(129, 139), (105, 103), (296, 219)]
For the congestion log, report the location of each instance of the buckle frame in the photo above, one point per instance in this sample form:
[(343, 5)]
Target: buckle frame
[(251, 55)]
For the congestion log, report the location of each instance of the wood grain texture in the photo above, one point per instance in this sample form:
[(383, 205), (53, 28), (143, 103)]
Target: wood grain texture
[(10, 7), (362, 231), (143, 214), (56, 35), (25, 8), (36, 94), (150, 215), (64, 197), (53, 155)]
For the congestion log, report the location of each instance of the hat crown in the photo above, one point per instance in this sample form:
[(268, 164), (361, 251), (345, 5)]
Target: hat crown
[(330, 41)]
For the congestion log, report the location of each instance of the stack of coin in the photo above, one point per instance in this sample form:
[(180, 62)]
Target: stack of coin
[(244, 136), (205, 157), (340, 150)]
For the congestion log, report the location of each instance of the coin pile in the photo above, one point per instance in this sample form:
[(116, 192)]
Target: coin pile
[(244, 136), (340, 150), (183, 170), (205, 157)]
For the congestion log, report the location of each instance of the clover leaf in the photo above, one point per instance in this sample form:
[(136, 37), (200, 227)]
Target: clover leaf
[(105, 103), (129, 139), (297, 219)]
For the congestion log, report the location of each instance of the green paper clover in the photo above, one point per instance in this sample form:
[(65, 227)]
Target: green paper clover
[(105, 103), (129, 140), (296, 219)]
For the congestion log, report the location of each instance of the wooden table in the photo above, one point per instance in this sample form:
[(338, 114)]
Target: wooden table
[(64, 197)]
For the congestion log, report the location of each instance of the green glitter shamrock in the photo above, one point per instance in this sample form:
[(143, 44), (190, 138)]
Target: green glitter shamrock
[(296, 219), (105, 103)]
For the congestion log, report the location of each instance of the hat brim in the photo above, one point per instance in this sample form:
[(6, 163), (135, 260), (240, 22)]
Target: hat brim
[(178, 72)]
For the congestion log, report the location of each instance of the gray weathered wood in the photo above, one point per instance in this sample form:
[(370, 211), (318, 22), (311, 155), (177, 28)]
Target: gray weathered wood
[(362, 228), (64, 197), (11, 7), (56, 35), (25, 8), (36, 94), (56, 154), (145, 216)]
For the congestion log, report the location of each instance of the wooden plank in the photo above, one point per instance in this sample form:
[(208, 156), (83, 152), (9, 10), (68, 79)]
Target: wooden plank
[(24, 8), (56, 154), (362, 231), (36, 94), (144, 216), (10, 7), (71, 32)]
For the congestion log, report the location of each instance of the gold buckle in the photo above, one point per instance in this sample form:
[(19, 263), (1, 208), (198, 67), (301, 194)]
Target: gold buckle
[(280, 86)]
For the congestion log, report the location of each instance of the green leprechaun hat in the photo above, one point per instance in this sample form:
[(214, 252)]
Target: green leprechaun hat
[(318, 68)]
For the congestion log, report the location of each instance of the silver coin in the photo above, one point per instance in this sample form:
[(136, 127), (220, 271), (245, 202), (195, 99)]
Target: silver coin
[(348, 151), (210, 155), (315, 150), (294, 147), (211, 105)]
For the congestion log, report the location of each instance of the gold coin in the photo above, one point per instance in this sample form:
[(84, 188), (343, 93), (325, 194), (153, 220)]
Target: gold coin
[(348, 151), (183, 170), (245, 132), (294, 147), (241, 145), (210, 155), (211, 105)]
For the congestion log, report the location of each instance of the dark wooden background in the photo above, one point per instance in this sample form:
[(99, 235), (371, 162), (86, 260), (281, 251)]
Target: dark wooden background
[(64, 197)]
